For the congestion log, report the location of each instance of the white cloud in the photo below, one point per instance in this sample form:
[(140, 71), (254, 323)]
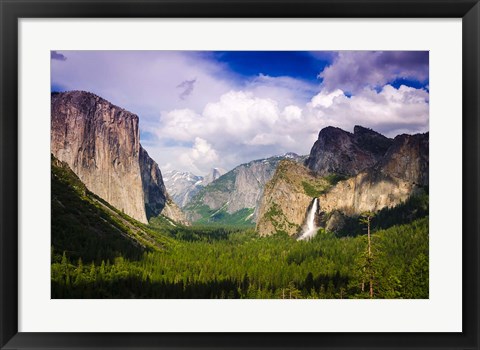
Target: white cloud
[(180, 125), (201, 157), (389, 111), (237, 115), (292, 113), (326, 99), (240, 114), (240, 127)]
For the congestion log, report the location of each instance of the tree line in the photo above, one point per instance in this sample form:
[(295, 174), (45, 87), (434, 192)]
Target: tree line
[(244, 265)]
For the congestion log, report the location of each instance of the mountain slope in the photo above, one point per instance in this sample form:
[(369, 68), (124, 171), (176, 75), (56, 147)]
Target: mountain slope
[(378, 178), (396, 176), (85, 226), (182, 186), (407, 159), (286, 198), (234, 197), (100, 143)]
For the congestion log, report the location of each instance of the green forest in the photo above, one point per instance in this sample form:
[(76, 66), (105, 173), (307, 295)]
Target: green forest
[(99, 252)]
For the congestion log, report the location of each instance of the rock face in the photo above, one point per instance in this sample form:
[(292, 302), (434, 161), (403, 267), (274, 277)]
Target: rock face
[(340, 152), (408, 159), (154, 193), (379, 177), (368, 191), (172, 211), (249, 182), (398, 175), (237, 190), (100, 142), (285, 201), (157, 200)]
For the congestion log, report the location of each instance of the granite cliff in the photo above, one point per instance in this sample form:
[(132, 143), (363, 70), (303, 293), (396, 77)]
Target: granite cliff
[(157, 200), (407, 159), (363, 171), (286, 198), (341, 152), (235, 196), (101, 144)]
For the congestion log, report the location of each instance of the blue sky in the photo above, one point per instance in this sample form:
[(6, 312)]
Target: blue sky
[(295, 64), (218, 109)]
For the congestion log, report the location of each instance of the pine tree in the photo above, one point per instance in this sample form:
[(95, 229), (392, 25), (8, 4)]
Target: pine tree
[(64, 264), (366, 218), (309, 282), (93, 273)]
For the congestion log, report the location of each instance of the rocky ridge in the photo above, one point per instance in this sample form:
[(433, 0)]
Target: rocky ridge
[(182, 186), (240, 189), (402, 172), (374, 182), (341, 152)]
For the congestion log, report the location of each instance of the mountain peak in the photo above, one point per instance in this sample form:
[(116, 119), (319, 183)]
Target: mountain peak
[(331, 131), (358, 129), (291, 155), (214, 174), (339, 151), (90, 105)]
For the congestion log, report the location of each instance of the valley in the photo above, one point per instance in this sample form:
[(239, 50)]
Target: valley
[(287, 226), (109, 255)]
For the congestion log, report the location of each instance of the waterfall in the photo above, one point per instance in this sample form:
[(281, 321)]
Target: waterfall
[(310, 229)]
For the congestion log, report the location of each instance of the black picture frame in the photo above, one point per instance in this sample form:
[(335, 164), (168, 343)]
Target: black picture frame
[(11, 11)]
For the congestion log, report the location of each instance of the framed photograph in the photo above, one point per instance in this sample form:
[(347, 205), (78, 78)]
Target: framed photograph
[(239, 174)]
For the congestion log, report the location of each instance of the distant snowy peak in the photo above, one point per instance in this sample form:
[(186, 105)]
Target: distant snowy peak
[(291, 155), (178, 176), (183, 185)]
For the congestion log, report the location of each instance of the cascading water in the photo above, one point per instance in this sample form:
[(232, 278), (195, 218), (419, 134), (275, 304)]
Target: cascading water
[(310, 229)]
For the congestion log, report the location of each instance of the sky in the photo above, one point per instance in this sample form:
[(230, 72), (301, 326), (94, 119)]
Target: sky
[(202, 109)]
